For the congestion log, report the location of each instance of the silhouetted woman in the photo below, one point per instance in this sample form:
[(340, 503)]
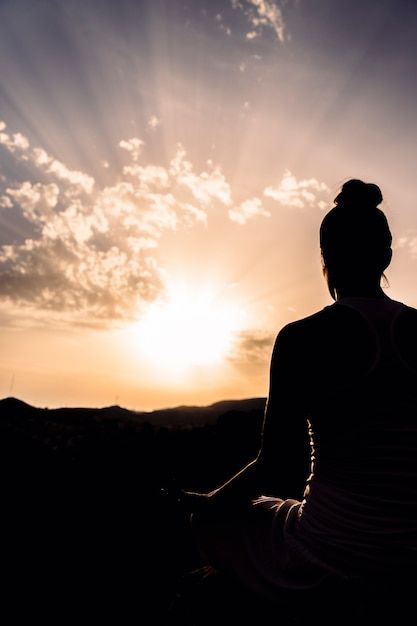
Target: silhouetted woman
[(343, 383)]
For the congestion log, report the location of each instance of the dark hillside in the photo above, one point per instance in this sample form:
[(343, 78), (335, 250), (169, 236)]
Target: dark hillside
[(90, 527), (85, 519)]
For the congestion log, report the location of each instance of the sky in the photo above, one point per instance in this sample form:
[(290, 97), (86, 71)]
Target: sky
[(164, 169)]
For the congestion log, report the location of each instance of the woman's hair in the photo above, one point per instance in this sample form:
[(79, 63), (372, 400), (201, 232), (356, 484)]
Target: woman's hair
[(355, 238)]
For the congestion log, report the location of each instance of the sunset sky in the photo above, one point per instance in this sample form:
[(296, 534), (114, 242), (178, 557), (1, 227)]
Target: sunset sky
[(164, 169)]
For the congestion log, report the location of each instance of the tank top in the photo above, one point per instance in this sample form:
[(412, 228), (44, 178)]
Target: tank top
[(359, 513)]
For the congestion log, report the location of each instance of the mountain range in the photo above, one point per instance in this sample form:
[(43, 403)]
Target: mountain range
[(176, 416)]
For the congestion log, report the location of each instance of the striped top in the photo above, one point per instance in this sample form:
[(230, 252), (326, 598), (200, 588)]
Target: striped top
[(359, 513)]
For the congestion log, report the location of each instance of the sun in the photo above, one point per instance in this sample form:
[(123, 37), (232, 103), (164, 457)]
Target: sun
[(190, 326)]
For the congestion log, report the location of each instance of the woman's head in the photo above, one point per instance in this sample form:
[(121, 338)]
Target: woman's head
[(355, 238)]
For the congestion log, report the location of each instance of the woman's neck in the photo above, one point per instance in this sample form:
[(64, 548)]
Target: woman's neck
[(374, 291)]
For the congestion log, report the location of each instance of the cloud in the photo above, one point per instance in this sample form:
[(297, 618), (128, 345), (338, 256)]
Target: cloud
[(36, 200), (5, 202), (248, 210), (222, 26), (253, 347), (407, 242), (149, 175), (133, 145), (262, 14), (206, 186), (92, 251), (298, 193), (14, 142), (54, 277), (154, 122), (79, 181), (74, 177)]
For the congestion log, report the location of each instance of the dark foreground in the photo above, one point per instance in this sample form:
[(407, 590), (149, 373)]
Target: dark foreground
[(91, 529)]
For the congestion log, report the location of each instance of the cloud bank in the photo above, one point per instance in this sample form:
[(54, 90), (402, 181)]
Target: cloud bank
[(93, 250)]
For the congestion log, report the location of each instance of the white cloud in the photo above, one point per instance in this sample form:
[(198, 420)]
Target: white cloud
[(77, 179), (83, 260), (35, 200), (401, 242), (13, 142), (409, 243), (298, 193), (92, 250), (154, 122), (20, 141), (40, 156), (5, 202), (262, 14), (248, 210), (206, 186), (412, 247), (133, 145), (269, 14), (195, 213), (148, 175)]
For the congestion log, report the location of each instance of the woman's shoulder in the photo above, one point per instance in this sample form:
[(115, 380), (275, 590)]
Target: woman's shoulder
[(326, 334), (334, 316), (310, 324), (409, 311), (341, 332)]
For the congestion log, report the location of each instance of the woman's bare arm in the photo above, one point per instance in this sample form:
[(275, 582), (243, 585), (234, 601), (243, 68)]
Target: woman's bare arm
[(282, 465)]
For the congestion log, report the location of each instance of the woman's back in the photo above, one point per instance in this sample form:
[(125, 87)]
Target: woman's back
[(358, 365)]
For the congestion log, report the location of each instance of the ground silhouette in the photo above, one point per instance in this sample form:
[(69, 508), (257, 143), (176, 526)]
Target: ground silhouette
[(88, 498), (90, 524)]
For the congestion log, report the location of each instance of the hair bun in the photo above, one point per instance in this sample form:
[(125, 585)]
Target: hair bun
[(356, 193)]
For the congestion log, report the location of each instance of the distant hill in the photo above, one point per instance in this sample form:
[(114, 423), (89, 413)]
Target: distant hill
[(177, 416), (165, 442)]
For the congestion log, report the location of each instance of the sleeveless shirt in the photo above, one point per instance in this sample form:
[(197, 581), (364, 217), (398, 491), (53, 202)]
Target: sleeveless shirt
[(359, 512)]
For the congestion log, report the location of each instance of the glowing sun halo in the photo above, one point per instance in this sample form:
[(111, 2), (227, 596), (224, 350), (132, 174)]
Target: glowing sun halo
[(190, 327)]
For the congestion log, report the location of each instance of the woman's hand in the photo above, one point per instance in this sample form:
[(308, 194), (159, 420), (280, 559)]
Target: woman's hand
[(192, 501)]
